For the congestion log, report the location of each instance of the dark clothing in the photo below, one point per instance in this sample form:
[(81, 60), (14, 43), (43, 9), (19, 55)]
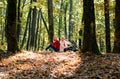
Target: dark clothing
[(54, 45), (70, 49), (66, 49), (54, 48)]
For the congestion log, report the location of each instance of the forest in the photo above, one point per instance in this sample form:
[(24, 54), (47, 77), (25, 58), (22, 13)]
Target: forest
[(29, 27)]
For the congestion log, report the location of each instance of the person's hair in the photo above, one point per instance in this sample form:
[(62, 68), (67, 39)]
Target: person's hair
[(55, 37)]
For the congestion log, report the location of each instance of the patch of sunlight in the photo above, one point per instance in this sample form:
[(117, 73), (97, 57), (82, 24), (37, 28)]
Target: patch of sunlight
[(67, 64), (1, 3), (24, 66), (54, 64), (3, 75)]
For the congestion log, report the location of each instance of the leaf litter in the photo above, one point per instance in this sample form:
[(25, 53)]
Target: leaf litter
[(63, 65)]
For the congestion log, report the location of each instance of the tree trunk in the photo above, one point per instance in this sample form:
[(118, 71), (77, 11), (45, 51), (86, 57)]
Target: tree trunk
[(80, 40), (65, 20), (107, 26), (89, 38), (10, 28), (34, 16), (50, 20), (29, 35), (44, 22), (43, 40), (60, 20), (37, 29), (116, 48), (26, 28), (19, 21), (70, 20), (39, 35)]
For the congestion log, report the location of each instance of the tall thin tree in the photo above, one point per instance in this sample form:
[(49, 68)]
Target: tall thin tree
[(107, 26), (60, 19), (65, 18), (70, 20), (50, 20), (37, 30), (19, 20), (34, 18)]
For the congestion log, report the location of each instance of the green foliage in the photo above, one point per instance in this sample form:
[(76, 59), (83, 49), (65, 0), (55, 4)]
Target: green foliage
[(77, 17), (3, 45)]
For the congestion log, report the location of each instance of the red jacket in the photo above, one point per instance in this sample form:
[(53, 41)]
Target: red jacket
[(56, 44)]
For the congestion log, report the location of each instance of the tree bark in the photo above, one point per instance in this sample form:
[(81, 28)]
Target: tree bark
[(89, 38), (39, 35), (10, 28), (60, 19), (65, 20), (19, 21), (107, 26), (80, 40), (34, 16), (29, 35), (50, 20), (70, 20), (116, 48), (37, 30)]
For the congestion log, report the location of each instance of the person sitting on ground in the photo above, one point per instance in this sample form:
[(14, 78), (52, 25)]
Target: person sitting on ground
[(65, 45), (55, 45)]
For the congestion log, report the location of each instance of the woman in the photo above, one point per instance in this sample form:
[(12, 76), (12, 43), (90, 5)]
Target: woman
[(65, 45), (55, 45)]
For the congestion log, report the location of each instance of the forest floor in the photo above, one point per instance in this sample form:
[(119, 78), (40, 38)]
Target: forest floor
[(63, 65)]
